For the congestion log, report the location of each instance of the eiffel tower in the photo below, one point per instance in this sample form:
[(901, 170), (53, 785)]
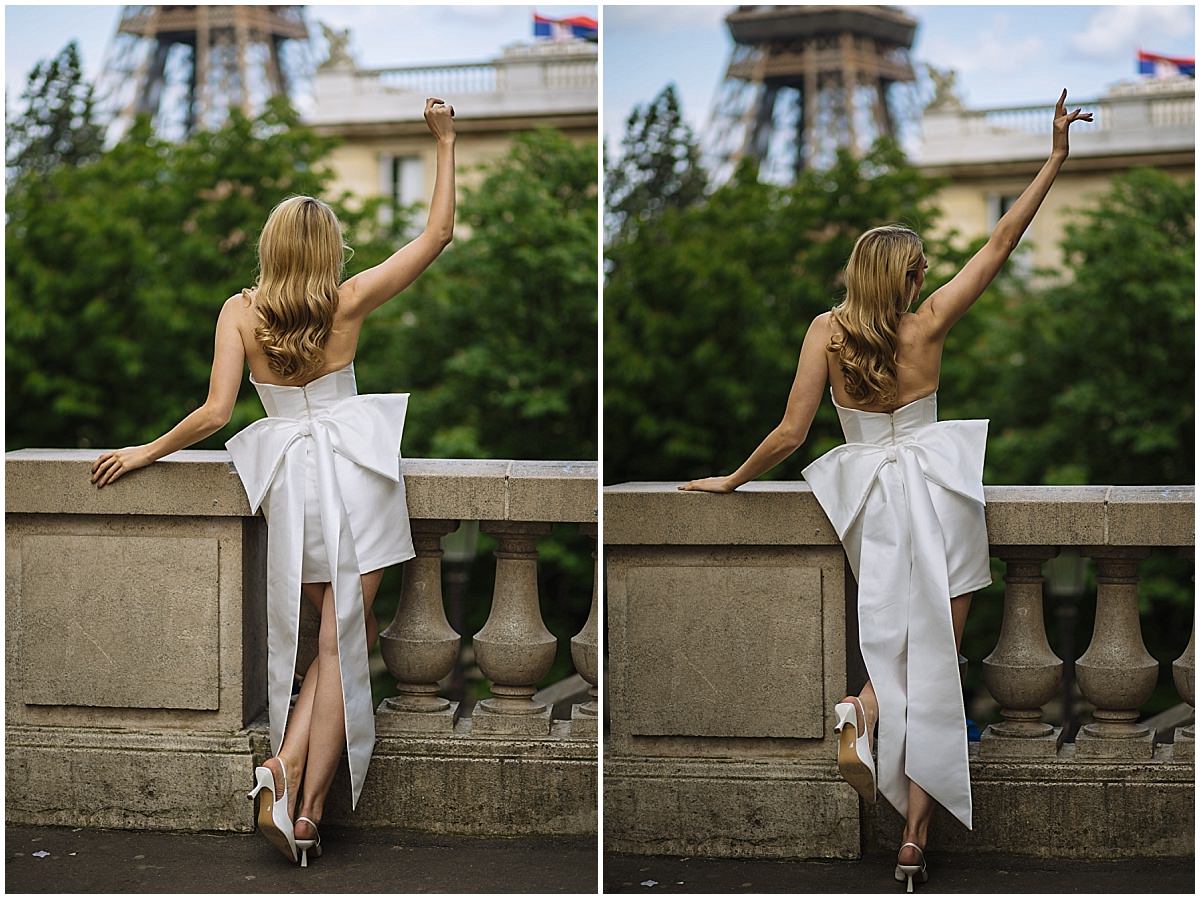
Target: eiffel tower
[(188, 66), (804, 80)]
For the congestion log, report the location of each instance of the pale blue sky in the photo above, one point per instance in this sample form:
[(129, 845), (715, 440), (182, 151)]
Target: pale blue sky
[(380, 35), (1003, 54)]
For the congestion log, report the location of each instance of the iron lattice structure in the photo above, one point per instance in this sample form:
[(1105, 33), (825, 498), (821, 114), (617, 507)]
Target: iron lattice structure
[(804, 80), (188, 66)]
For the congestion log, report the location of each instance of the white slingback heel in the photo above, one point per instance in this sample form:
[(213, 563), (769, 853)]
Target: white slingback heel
[(273, 818), (855, 761), (919, 873), (304, 845)]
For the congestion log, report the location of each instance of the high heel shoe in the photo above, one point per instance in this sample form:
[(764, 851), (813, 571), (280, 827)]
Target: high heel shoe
[(273, 818), (919, 873), (304, 845), (855, 761)]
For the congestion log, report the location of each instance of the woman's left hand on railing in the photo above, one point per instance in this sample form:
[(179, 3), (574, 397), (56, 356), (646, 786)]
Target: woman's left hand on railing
[(709, 485), (112, 464)]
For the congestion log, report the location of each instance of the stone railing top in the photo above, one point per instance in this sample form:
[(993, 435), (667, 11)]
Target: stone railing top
[(204, 482), (786, 513)]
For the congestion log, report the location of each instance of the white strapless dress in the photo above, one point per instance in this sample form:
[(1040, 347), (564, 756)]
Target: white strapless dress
[(905, 495), (324, 466)]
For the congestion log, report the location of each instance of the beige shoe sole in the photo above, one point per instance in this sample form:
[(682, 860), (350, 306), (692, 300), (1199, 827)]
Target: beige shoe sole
[(853, 769), (266, 824)]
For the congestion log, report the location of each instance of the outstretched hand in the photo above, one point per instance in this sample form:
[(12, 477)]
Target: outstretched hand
[(708, 485), (111, 465), (440, 118), (1062, 119)]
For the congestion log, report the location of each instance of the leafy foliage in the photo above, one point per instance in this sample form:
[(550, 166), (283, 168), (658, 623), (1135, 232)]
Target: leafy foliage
[(659, 167), (1110, 352), (498, 338), (57, 125), (707, 304), (116, 270), (706, 311)]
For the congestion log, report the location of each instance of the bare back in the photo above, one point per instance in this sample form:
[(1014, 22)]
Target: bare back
[(918, 362), (339, 350)]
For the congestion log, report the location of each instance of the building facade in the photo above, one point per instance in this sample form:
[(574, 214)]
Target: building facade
[(386, 149), (991, 154)]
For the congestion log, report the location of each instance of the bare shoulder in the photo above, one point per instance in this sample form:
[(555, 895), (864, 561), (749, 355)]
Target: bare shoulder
[(826, 327), (243, 299), (239, 309), (922, 323)]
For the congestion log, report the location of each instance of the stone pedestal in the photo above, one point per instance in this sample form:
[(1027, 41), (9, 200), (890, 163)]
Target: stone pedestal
[(514, 649), (1116, 674), (419, 646), (1022, 673)]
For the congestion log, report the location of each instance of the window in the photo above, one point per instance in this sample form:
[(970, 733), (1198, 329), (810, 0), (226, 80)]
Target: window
[(402, 181)]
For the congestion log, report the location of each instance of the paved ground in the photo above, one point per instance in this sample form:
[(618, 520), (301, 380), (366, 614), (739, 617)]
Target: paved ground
[(354, 861), (873, 874)]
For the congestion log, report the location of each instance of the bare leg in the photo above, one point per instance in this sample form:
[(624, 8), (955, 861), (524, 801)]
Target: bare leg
[(920, 803), (294, 751), (328, 728)]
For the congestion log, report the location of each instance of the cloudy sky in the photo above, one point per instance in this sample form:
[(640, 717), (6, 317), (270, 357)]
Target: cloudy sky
[(1003, 54), (380, 35)]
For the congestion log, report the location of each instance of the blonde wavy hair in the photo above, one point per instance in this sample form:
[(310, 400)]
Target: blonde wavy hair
[(881, 285), (301, 258)]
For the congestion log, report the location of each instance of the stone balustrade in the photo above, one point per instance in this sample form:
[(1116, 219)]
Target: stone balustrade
[(553, 81), (1147, 116), (136, 653), (732, 633)]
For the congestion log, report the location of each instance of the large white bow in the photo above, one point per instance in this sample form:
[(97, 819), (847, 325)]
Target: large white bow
[(905, 628), (270, 458)]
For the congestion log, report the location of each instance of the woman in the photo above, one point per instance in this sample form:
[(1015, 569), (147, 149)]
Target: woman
[(324, 466), (905, 496)]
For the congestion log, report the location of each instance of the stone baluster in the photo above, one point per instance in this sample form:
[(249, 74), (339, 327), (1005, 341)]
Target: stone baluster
[(419, 646), (584, 655), (1116, 674), (1022, 673), (514, 649), (1184, 669)]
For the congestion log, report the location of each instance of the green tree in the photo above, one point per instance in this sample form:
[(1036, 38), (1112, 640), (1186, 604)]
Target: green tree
[(497, 340), (116, 270), (1109, 352), (58, 123), (706, 311), (658, 169)]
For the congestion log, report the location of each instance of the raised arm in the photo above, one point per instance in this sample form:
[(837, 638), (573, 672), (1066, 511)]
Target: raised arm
[(803, 400), (370, 289), (229, 359), (949, 303)]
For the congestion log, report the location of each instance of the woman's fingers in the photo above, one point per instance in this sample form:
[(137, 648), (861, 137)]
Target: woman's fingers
[(98, 478), (100, 466), (109, 470), (100, 459), (106, 469)]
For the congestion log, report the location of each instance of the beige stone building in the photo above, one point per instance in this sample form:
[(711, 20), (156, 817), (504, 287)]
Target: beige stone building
[(993, 153), (378, 113)]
